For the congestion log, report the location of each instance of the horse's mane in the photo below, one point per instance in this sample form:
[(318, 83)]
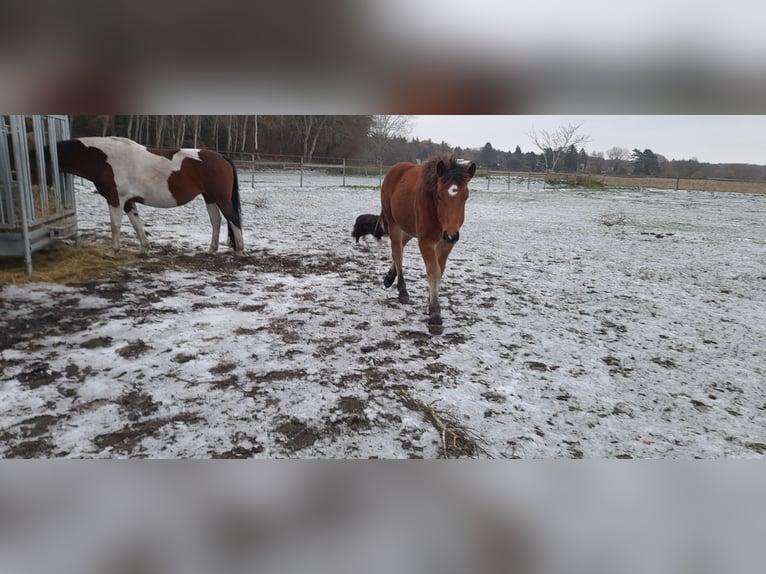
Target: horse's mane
[(456, 173)]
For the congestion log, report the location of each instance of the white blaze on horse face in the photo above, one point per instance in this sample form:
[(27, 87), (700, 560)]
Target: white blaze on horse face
[(452, 190), (139, 173)]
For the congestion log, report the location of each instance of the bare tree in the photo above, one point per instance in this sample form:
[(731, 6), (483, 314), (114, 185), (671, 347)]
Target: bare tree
[(196, 130), (105, 122), (181, 134), (385, 128), (229, 123), (159, 129), (616, 154), (244, 133), (255, 136), (309, 128), (556, 142)]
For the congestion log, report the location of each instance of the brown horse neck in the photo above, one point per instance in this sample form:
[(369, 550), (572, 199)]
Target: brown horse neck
[(76, 158), (427, 220)]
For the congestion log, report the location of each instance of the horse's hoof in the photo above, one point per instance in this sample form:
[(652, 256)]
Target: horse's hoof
[(435, 328), (388, 281), (109, 254), (404, 298)]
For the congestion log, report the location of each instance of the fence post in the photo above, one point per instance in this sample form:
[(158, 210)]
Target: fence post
[(344, 172), (489, 174), (380, 172), (301, 171), (252, 172), (509, 181)]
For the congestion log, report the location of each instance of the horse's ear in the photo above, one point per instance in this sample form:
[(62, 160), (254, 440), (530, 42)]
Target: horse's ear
[(441, 169), (471, 170)]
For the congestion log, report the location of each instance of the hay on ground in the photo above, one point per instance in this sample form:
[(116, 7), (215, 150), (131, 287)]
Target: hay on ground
[(63, 263)]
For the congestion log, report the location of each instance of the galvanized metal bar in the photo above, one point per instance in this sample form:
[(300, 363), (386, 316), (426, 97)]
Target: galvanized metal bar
[(57, 183), (38, 130), (68, 179), (21, 153), (6, 180)]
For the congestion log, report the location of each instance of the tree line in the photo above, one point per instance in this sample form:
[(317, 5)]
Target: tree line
[(384, 139)]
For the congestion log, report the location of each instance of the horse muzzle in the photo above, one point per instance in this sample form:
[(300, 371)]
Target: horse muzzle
[(451, 238)]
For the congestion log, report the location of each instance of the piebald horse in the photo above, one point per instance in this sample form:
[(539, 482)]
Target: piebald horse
[(126, 173), (428, 202)]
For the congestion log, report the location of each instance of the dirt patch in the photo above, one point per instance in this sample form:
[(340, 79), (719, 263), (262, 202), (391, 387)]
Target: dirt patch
[(137, 405), (37, 426), (128, 439), (97, 342), (133, 349), (39, 375), (67, 318), (223, 367), (662, 362), (253, 261), (239, 452), (354, 416), (298, 435), (38, 448), (283, 375), (539, 366)]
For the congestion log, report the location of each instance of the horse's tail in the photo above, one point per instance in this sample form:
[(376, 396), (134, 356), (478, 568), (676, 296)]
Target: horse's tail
[(381, 224), (235, 204)]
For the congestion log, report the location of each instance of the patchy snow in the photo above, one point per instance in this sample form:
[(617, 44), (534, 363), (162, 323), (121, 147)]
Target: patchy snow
[(623, 323)]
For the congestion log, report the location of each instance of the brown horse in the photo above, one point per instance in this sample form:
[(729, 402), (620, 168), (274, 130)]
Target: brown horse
[(126, 173), (427, 202)]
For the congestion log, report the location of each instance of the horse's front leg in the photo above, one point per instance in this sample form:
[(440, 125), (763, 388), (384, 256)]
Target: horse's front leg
[(135, 221), (434, 274), (443, 250), (215, 222)]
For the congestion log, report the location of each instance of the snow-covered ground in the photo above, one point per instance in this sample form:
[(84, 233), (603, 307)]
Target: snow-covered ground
[(623, 323)]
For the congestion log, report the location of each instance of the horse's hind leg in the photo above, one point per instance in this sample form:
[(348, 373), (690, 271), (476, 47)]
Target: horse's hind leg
[(239, 243), (398, 240), (235, 231), (215, 222), (135, 221)]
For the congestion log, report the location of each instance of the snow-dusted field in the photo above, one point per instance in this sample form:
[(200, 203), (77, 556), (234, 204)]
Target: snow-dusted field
[(577, 324)]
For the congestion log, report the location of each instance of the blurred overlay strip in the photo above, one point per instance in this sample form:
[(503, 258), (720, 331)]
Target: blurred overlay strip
[(397, 56), (547, 517)]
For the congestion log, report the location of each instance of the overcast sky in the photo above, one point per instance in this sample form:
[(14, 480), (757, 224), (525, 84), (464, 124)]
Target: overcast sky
[(714, 139)]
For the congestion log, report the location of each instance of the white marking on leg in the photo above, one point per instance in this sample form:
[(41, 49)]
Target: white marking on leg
[(139, 228), (434, 282), (239, 242), (115, 220), (452, 190), (215, 222)]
